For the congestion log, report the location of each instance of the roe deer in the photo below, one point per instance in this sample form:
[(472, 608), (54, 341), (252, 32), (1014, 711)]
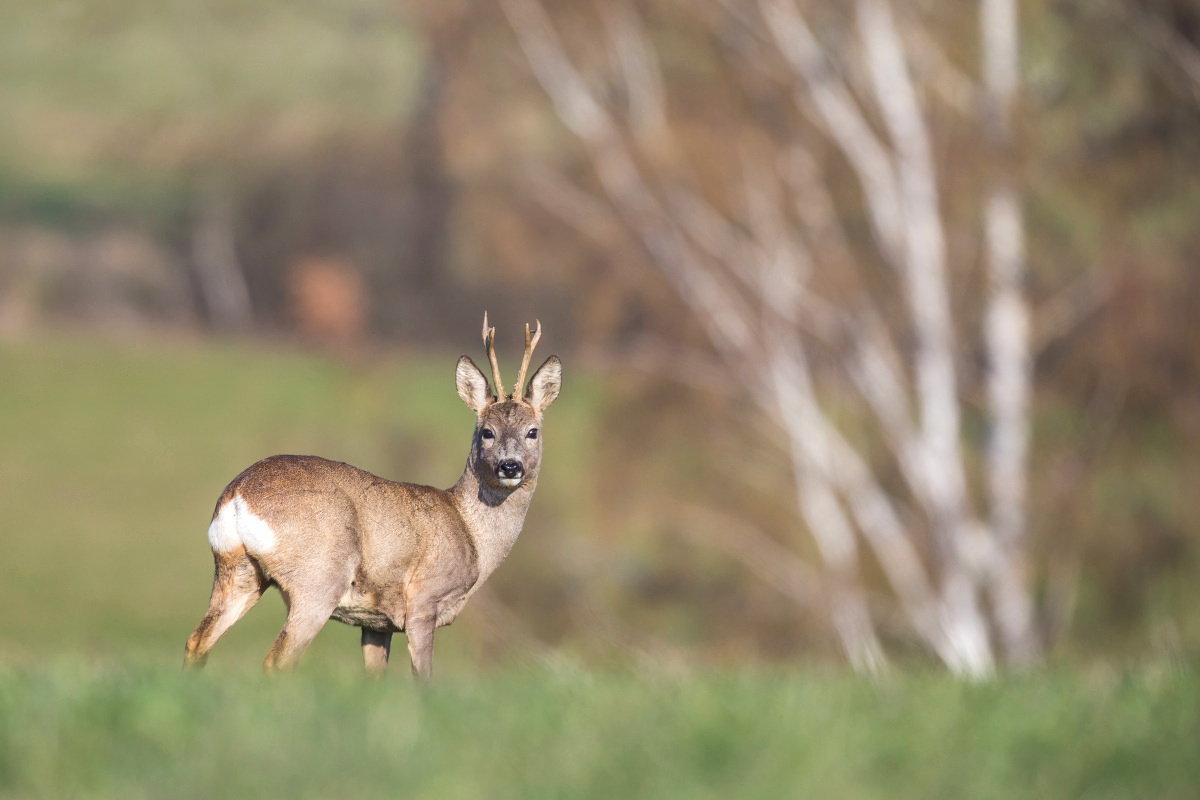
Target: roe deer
[(344, 544)]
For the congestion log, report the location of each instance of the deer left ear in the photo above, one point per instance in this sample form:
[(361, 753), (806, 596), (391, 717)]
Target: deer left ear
[(545, 384), (472, 386)]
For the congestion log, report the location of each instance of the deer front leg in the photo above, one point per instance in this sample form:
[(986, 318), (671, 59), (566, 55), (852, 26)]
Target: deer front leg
[(419, 627), (376, 646)]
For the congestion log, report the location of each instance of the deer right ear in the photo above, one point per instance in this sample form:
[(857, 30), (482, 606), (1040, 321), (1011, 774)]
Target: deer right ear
[(472, 386), (545, 384)]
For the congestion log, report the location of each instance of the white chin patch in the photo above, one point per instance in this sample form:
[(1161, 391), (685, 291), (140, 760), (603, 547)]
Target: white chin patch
[(510, 483)]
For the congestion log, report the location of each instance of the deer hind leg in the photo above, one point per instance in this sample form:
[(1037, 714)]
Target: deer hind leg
[(376, 646), (237, 586), (308, 611)]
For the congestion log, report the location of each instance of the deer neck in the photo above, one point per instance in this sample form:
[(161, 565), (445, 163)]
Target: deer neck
[(494, 516)]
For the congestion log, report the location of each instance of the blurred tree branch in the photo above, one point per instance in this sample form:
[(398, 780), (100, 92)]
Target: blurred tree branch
[(1182, 53)]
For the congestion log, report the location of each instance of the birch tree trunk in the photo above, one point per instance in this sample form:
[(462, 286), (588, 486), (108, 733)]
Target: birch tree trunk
[(1007, 335)]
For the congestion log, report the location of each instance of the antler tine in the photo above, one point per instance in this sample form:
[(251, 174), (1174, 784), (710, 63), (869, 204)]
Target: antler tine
[(519, 389), (489, 342)]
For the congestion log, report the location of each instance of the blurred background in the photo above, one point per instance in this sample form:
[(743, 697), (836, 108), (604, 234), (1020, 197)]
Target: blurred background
[(880, 345)]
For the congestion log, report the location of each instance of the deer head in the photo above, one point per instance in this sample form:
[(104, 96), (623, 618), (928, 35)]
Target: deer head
[(507, 446)]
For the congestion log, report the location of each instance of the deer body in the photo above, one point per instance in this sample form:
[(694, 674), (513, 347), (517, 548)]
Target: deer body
[(341, 543)]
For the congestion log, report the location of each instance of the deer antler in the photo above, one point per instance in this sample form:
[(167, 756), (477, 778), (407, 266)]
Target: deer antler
[(489, 342), (519, 389)]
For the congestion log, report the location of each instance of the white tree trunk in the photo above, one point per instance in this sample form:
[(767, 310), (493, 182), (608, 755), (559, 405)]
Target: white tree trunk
[(1010, 366)]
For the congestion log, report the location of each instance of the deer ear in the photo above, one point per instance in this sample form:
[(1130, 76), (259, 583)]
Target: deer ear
[(472, 386), (545, 384)]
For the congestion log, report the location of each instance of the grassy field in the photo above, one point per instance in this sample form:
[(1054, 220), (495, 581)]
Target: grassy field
[(111, 457), (75, 731), (162, 83), (111, 109)]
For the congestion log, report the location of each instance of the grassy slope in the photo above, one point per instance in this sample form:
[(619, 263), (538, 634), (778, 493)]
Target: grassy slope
[(111, 105), (154, 64), (156, 733), (111, 460)]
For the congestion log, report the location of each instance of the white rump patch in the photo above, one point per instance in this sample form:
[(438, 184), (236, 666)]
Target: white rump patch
[(253, 530), (236, 525), (222, 533)]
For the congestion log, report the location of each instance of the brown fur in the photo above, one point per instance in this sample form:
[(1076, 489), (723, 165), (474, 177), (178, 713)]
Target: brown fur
[(377, 554)]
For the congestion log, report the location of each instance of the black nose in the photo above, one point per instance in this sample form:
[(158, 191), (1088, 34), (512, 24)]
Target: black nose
[(510, 468)]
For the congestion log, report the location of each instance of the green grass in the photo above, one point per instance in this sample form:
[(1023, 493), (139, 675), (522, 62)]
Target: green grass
[(149, 732), (177, 58), (115, 106), (112, 457)]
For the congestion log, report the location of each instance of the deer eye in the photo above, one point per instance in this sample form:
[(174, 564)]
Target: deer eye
[(532, 434), (487, 434)]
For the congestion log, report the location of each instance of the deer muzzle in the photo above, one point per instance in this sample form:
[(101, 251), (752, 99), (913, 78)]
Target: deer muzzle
[(510, 472)]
